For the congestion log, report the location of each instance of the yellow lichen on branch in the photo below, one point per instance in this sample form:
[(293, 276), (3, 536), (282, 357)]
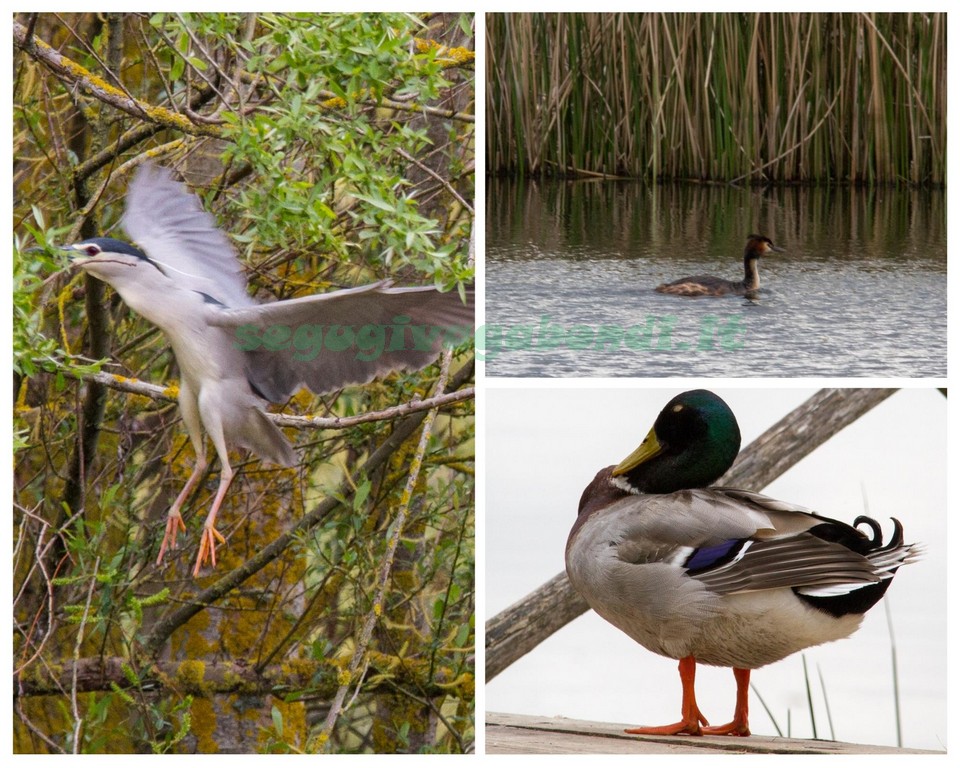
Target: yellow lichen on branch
[(73, 74), (446, 55)]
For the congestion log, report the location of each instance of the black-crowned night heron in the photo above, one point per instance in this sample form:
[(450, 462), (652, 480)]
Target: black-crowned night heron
[(234, 353)]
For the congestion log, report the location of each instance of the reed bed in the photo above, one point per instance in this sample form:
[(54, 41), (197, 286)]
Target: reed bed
[(856, 98)]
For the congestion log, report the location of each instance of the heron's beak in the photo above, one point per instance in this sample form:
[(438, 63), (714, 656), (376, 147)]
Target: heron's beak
[(76, 255), (71, 253)]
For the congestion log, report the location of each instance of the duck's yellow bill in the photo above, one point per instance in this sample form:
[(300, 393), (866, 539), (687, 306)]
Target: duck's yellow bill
[(649, 448)]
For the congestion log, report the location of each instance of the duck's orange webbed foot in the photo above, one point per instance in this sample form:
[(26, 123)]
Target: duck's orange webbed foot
[(730, 729), (692, 716), (686, 727)]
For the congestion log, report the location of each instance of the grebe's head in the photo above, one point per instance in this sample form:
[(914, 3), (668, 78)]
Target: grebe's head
[(759, 245)]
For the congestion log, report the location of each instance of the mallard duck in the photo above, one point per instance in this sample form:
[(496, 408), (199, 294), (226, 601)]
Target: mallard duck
[(708, 285), (715, 575)]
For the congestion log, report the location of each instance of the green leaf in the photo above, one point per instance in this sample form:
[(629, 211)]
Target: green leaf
[(277, 716), (361, 494)]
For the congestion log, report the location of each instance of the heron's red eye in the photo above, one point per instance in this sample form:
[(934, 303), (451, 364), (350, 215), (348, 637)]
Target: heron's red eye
[(91, 250)]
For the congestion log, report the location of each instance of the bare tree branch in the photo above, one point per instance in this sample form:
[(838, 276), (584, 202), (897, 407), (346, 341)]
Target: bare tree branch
[(156, 392), (74, 75), (200, 679)]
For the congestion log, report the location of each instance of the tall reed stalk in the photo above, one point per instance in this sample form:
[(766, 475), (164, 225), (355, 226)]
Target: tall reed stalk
[(782, 97)]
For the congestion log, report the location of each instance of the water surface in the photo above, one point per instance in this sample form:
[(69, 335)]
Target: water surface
[(571, 266)]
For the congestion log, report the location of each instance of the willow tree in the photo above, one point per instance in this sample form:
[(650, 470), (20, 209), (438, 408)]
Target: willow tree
[(335, 150)]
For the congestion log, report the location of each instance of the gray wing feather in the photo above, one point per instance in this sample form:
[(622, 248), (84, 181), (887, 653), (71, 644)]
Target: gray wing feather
[(364, 332), (351, 336), (779, 553), (692, 518), (167, 222), (800, 560)]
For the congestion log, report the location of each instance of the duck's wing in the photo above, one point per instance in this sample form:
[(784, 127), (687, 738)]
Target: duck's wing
[(735, 541), (670, 527)]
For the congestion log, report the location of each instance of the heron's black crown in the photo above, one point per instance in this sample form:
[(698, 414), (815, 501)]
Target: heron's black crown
[(110, 245)]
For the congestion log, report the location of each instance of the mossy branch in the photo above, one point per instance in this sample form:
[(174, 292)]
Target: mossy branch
[(170, 393), (74, 75), (202, 680)]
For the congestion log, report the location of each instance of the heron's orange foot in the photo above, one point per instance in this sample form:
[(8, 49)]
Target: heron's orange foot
[(208, 548), (174, 521)]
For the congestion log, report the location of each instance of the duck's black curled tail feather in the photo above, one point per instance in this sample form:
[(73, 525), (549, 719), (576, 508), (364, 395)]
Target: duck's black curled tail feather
[(885, 559), (877, 540)]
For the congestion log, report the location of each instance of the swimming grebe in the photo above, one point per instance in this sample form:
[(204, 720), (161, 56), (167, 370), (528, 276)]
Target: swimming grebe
[(707, 285)]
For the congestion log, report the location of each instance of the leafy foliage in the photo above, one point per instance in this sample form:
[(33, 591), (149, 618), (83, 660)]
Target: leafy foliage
[(335, 150)]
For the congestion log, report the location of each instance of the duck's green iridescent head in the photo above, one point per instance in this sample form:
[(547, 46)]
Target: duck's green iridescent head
[(693, 442)]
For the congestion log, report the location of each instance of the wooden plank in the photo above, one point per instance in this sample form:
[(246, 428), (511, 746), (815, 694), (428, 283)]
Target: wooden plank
[(528, 734)]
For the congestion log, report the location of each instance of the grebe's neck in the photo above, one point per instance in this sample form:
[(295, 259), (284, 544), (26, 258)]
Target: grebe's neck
[(751, 275)]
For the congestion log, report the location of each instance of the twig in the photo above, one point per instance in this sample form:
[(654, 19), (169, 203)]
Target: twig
[(395, 532), (156, 392), (430, 172), (77, 719), (41, 551), (424, 109)]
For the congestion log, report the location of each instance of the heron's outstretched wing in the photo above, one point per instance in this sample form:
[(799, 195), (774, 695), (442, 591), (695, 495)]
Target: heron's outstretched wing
[(167, 222), (344, 337)]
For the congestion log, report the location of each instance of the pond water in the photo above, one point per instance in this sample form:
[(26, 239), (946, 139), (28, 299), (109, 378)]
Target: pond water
[(860, 290)]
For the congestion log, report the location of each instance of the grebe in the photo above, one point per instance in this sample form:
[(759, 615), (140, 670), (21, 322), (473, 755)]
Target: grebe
[(707, 285)]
